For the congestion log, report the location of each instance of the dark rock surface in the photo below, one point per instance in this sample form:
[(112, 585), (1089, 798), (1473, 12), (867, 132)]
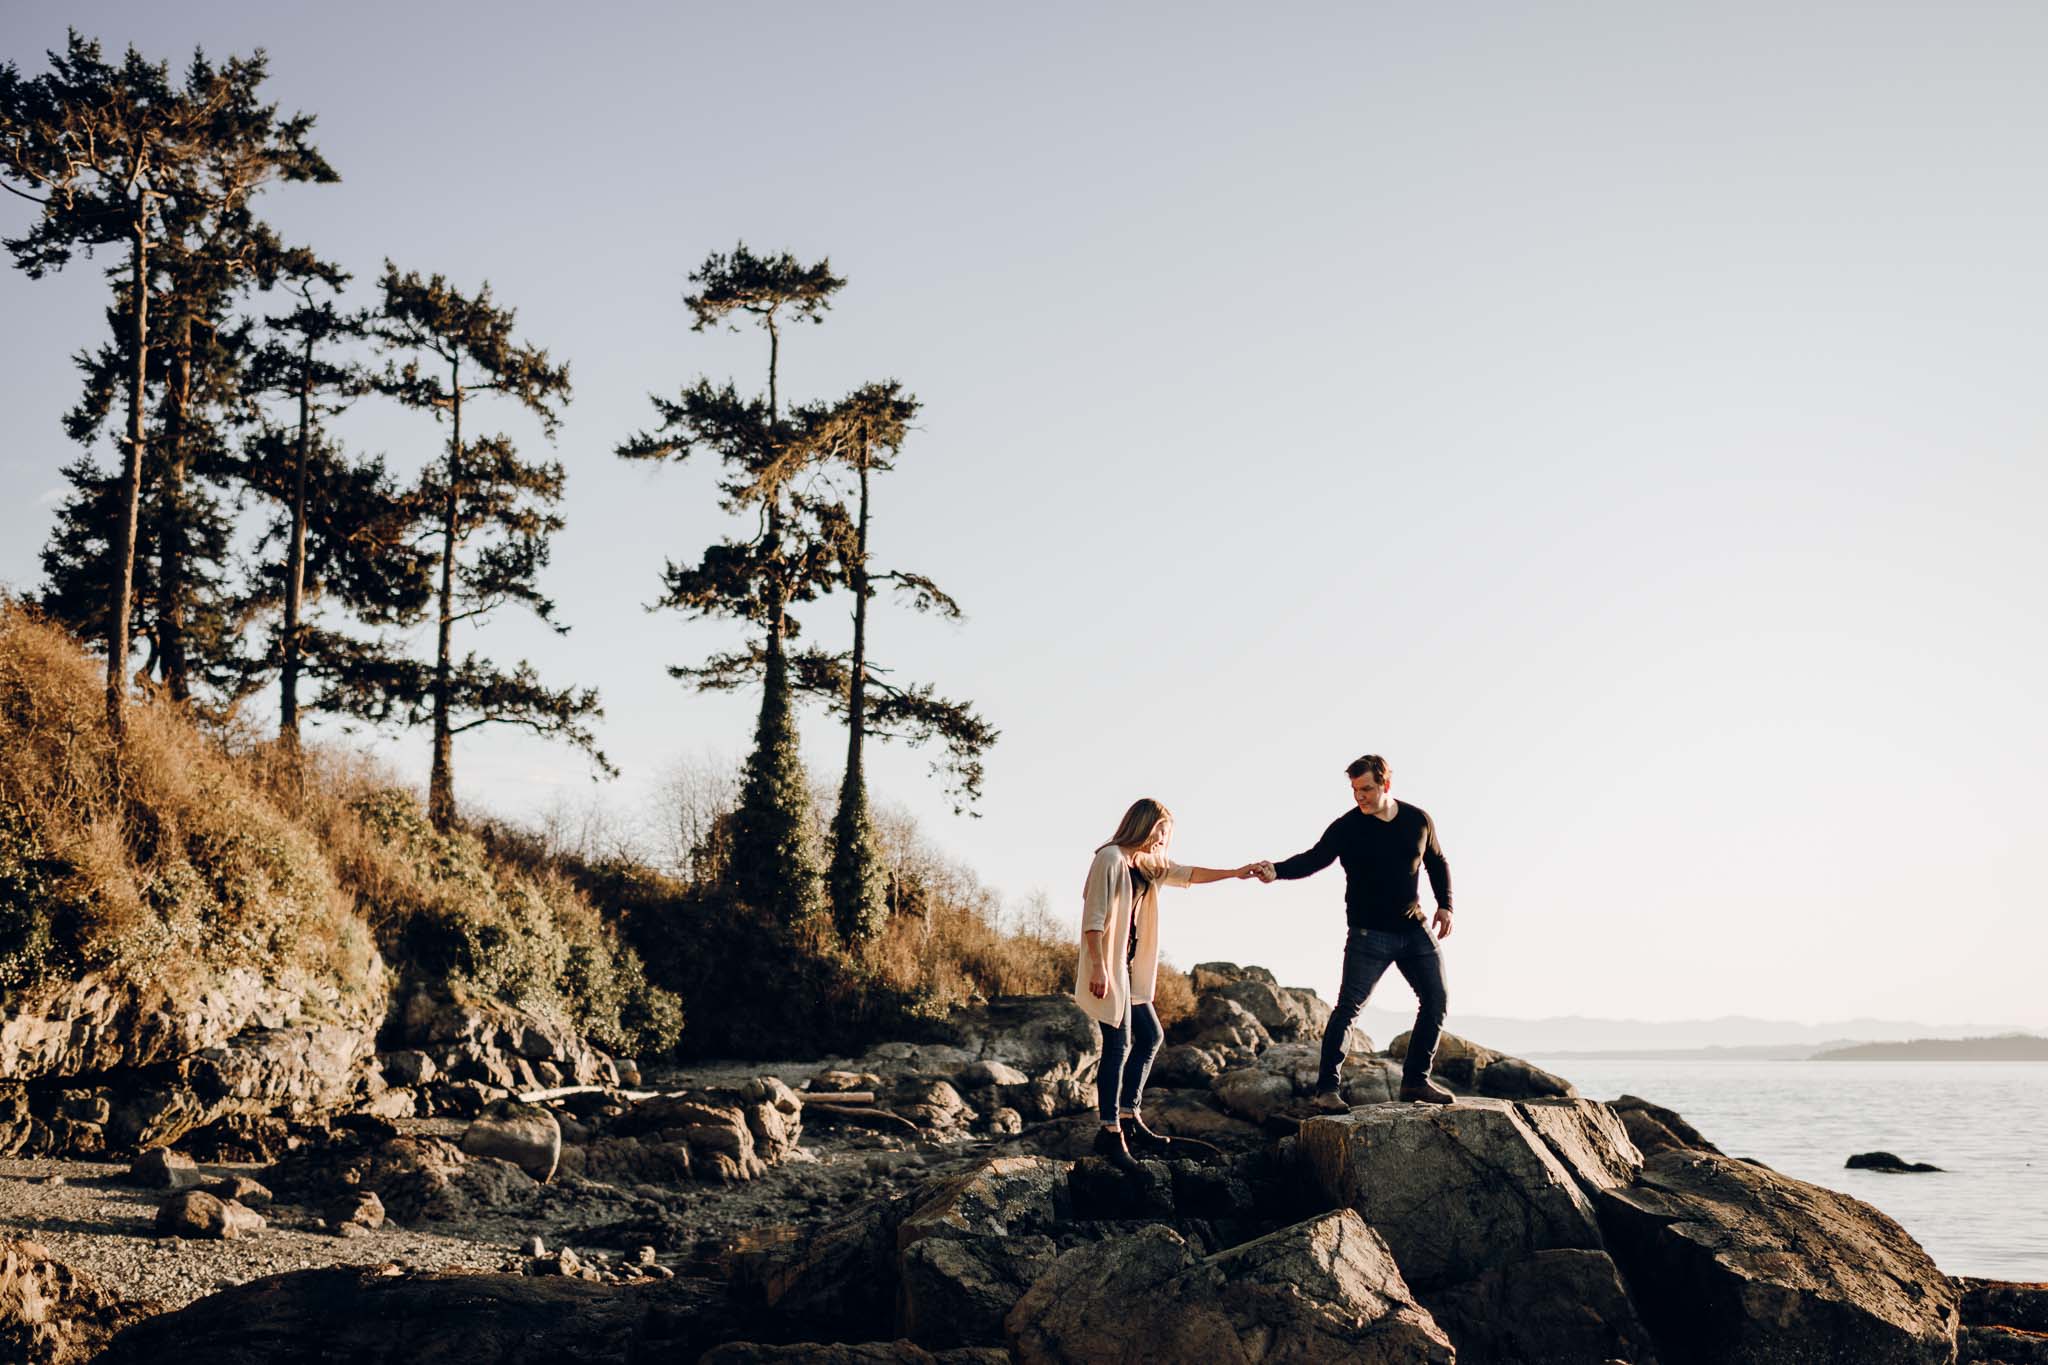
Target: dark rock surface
[(1727, 1261), (1885, 1161)]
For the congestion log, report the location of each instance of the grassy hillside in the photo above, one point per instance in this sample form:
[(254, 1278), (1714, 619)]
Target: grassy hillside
[(193, 852), (196, 851)]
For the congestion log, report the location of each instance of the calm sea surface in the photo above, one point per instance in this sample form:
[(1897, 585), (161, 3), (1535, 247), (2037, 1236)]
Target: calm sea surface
[(1984, 1123)]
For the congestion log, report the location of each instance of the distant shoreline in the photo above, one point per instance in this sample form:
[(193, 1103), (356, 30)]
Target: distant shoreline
[(2004, 1048)]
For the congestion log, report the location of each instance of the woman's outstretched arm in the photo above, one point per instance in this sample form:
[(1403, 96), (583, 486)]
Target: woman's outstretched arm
[(1199, 875)]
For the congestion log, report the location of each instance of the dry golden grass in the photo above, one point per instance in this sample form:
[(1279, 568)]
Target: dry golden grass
[(165, 860)]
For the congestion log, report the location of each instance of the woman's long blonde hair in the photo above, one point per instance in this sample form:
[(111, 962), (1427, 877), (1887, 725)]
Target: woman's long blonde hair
[(1134, 831)]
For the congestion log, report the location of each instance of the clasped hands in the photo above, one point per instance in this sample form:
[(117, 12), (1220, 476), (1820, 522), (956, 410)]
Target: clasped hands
[(1263, 870)]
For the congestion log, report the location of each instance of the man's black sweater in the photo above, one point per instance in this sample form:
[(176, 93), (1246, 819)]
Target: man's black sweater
[(1381, 858)]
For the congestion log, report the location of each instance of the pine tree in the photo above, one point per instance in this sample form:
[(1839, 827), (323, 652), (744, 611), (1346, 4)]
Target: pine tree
[(756, 579), (492, 515), (184, 604), (862, 435), (345, 526), (123, 156)]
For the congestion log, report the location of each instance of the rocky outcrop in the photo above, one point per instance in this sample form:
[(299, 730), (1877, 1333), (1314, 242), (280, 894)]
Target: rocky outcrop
[(487, 1042), (1321, 1291), (1654, 1129), (1727, 1261), (2003, 1323), (1456, 1191), (105, 1066), (51, 1314), (1468, 1066)]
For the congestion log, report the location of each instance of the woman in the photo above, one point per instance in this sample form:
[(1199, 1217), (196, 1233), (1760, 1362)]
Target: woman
[(1120, 966)]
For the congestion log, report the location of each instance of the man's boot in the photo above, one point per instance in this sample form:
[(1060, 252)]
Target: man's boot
[(1425, 1091), (1109, 1145)]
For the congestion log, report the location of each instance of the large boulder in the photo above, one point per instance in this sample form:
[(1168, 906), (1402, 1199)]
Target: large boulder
[(51, 1314), (1002, 1197), (472, 1039), (957, 1291), (1464, 1063), (840, 1280), (1278, 1012), (1046, 1037), (1221, 1022), (1254, 1094), (1728, 1261), (1456, 1190), (1185, 1065), (527, 1135), (1552, 1306), (1321, 1291), (1654, 1129), (195, 1213)]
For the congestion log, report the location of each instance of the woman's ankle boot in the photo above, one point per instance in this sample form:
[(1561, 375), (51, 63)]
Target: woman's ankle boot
[(1109, 1145)]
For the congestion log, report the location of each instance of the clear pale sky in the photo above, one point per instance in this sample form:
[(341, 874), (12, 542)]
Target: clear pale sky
[(1627, 418)]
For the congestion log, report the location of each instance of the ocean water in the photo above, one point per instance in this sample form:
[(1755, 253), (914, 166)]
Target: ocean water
[(1985, 1123)]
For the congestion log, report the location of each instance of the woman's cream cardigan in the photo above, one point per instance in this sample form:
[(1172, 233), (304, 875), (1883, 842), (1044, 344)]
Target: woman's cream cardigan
[(1107, 905)]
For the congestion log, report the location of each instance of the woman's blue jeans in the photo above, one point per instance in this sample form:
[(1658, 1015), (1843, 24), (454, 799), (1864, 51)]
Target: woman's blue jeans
[(1127, 1055)]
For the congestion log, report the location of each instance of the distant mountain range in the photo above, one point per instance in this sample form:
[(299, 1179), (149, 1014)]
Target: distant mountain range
[(1734, 1036)]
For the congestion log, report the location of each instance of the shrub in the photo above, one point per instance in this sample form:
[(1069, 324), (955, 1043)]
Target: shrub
[(161, 862)]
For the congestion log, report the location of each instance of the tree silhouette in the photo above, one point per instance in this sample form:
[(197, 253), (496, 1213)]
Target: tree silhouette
[(862, 435), (492, 514), (122, 155), (346, 528), (755, 578)]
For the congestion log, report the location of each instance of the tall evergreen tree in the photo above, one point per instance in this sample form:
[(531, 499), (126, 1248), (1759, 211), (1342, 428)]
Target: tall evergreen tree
[(108, 154), (492, 516), (346, 528), (184, 605), (756, 578), (862, 435)]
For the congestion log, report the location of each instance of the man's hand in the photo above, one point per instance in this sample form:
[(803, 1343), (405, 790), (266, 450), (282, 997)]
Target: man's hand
[(1443, 921), (1098, 984), (1263, 869)]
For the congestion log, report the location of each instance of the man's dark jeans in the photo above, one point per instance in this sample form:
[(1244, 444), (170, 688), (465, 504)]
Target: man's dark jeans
[(1367, 954)]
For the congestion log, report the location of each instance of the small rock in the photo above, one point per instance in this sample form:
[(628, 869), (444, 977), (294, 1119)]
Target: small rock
[(195, 1213), (362, 1208), (645, 1255), (241, 1189), (536, 1247), (349, 1230), (1886, 1162), (160, 1168)]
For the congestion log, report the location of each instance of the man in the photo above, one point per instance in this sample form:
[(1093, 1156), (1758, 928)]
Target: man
[(1382, 844)]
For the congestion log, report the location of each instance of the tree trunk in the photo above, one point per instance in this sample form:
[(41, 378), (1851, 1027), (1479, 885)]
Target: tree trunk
[(441, 780), (171, 565), (295, 573), (131, 496), (857, 684)]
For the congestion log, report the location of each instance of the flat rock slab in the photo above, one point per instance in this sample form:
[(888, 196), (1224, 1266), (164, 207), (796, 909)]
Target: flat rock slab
[(1729, 1262), (1004, 1197), (1456, 1190), (1325, 1290)]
